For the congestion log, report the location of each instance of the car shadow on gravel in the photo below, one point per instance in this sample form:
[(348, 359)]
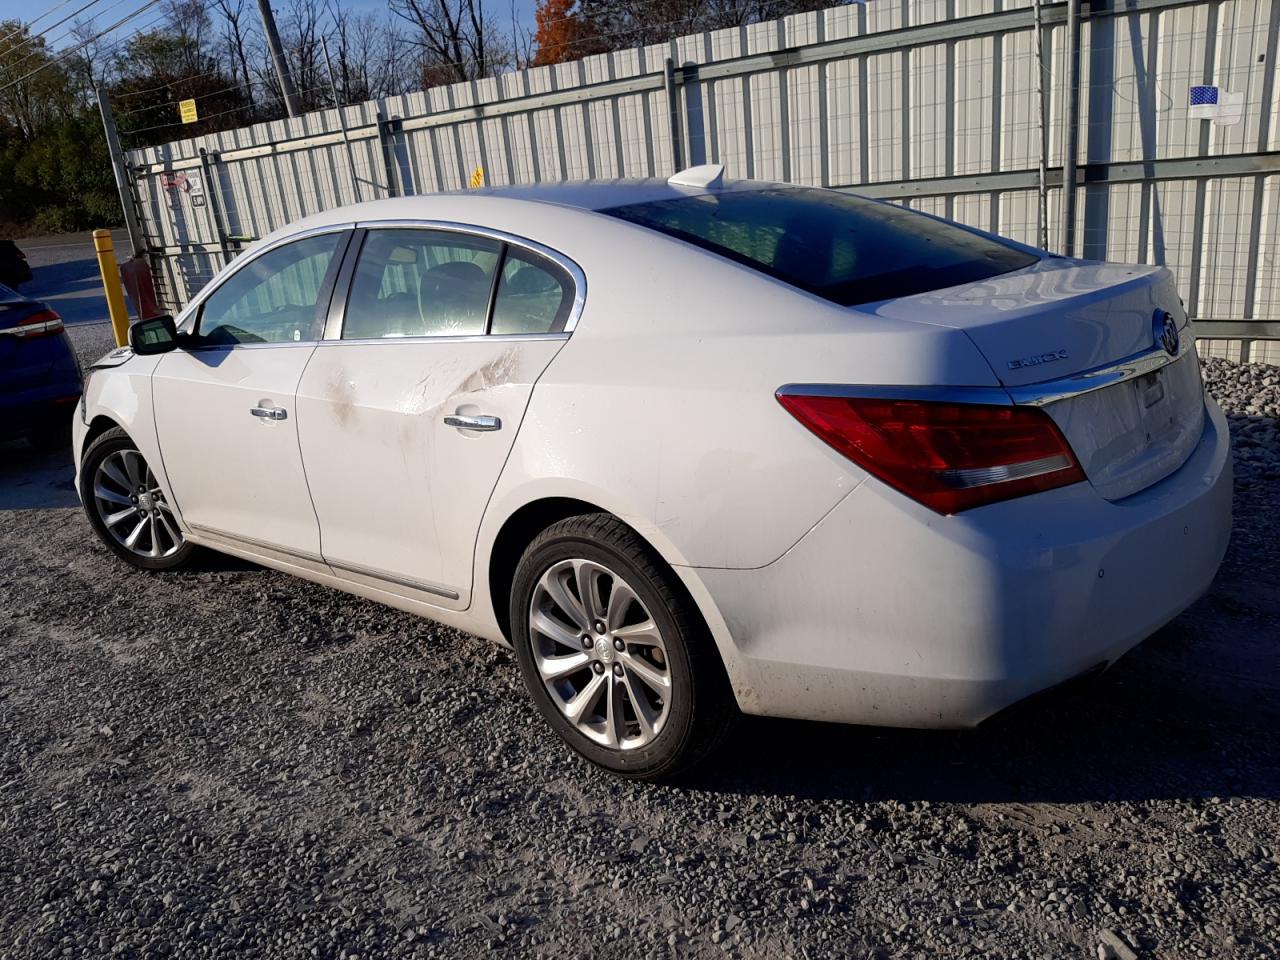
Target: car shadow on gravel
[(1161, 724), (32, 479)]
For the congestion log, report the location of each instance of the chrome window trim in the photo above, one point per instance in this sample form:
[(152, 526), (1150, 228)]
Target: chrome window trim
[(186, 318), (209, 347), (458, 338), (1031, 395), (569, 266)]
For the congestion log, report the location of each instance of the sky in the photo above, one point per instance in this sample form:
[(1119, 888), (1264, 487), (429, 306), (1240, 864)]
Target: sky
[(109, 11)]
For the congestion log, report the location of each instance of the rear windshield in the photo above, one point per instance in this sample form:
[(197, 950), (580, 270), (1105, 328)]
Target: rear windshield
[(846, 249)]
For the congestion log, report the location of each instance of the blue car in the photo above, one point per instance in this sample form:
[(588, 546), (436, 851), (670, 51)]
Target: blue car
[(40, 381)]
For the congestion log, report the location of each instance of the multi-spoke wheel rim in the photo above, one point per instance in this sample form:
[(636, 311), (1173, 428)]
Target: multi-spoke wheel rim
[(600, 654), (133, 508)]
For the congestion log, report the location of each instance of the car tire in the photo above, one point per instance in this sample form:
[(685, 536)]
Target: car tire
[(149, 538), (636, 726)]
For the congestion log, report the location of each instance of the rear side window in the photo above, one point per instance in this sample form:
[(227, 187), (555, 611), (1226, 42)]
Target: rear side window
[(421, 283), (534, 295), (843, 248)]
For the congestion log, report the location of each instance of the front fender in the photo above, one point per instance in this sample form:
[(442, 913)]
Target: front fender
[(122, 394)]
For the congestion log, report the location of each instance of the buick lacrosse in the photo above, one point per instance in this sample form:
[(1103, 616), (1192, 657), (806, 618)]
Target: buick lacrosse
[(690, 447)]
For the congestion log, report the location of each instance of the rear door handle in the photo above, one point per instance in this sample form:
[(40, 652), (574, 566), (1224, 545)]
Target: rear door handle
[(270, 413), (482, 423)]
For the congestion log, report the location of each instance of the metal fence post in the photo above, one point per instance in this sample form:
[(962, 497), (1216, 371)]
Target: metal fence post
[(207, 162), (342, 122), (1071, 131), (673, 110), (121, 175), (387, 130), (1042, 173)]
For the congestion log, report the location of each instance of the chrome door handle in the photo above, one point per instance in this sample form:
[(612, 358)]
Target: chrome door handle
[(482, 423), (270, 413)]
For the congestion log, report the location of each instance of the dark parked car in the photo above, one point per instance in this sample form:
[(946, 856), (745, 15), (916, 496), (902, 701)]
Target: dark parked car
[(14, 268), (39, 374)]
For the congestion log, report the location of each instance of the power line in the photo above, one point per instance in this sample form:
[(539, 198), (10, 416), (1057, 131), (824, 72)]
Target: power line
[(223, 113), (162, 86), (102, 33), (52, 44), (49, 29), (28, 25)]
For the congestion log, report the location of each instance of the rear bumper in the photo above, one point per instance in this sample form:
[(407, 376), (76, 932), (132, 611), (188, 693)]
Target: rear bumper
[(887, 613)]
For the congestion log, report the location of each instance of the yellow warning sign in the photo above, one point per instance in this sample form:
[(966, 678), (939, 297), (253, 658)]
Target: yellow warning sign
[(187, 110), (477, 177)]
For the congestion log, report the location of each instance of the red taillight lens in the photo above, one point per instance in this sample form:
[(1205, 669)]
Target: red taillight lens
[(43, 323), (948, 456)]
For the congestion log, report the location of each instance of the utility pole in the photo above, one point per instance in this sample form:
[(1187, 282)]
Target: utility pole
[(291, 101), (121, 174)]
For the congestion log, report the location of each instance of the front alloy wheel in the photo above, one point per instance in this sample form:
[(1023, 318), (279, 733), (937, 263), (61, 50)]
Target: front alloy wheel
[(614, 652), (127, 508), (132, 507)]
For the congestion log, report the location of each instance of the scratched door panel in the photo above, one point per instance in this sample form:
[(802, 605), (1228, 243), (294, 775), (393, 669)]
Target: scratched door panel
[(398, 492)]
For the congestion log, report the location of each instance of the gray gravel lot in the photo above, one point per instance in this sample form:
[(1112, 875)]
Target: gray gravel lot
[(231, 762)]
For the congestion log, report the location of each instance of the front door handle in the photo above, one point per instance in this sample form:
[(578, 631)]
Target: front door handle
[(482, 423), (270, 413)]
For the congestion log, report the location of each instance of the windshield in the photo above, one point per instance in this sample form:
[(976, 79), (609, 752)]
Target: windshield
[(847, 249)]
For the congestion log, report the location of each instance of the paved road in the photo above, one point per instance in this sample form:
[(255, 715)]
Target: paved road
[(66, 275)]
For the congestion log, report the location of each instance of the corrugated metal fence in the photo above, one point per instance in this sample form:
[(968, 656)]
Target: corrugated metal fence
[(934, 103)]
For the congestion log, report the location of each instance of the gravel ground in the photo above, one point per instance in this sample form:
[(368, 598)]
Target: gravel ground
[(231, 762)]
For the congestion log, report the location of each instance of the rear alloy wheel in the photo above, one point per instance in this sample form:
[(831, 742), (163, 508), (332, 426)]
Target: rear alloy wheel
[(126, 506), (613, 651), (600, 654)]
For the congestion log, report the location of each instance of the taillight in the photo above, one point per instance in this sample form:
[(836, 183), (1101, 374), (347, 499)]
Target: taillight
[(42, 323), (948, 456)]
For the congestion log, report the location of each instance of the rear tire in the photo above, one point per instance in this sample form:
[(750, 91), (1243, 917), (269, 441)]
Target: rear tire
[(126, 507), (631, 679)]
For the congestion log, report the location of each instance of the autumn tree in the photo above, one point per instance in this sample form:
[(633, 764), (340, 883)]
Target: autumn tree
[(564, 33)]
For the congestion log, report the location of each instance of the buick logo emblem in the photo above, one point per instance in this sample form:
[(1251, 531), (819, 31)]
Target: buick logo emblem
[(1166, 331)]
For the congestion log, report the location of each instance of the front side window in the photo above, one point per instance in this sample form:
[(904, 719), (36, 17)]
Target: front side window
[(421, 283), (843, 248), (276, 298)]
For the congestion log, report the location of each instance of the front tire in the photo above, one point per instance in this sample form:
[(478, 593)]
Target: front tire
[(126, 507), (614, 653)]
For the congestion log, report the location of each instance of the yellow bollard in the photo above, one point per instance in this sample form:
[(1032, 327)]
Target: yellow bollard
[(111, 283)]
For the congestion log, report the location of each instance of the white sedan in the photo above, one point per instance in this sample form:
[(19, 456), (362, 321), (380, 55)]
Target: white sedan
[(690, 447)]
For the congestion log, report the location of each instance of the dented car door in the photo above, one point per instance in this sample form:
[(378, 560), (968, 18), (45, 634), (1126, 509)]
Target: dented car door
[(409, 407)]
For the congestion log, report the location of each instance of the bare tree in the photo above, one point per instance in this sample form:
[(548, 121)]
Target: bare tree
[(237, 39), (457, 41), (300, 34)]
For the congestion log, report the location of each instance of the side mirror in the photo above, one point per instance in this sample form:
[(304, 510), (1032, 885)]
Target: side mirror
[(153, 335)]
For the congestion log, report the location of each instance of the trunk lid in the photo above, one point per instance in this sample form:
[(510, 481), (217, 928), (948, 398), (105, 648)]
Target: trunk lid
[(1063, 318)]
